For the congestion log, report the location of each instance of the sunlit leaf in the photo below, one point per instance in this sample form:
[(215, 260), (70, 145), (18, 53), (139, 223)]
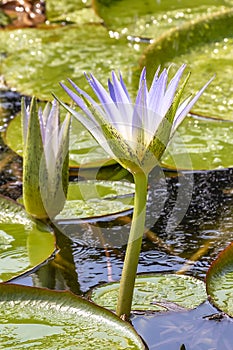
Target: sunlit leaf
[(70, 11), (36, 60), (151, 18), (219, 281), (200, 144), (155, 292), (206, 45), (24, 243), (43, 319), (88, 199)]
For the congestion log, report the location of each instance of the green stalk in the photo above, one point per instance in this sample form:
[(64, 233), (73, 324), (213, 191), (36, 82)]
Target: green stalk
[(129, 271)]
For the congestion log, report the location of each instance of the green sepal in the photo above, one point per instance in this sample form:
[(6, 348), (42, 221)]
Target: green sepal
[(33, 152), (162, 136)]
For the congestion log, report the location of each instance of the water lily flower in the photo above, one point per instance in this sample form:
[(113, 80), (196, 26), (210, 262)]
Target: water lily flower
[(135, 134), (45, 164)]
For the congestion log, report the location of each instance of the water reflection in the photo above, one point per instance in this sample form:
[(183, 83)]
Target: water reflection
[(185, 239), (195, 329)]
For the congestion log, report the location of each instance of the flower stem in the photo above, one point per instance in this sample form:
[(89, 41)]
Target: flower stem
[(129, 271)]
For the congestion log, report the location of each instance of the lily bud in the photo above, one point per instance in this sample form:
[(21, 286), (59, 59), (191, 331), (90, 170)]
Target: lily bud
[(46, 156)]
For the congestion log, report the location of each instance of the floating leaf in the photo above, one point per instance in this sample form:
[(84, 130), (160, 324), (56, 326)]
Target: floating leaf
[(44, 319), (24, 243), (155, 292), (219, 281), (151, 18), (200, 144), (206, 45), (85, 152), (88, 199), (76, 11), (36, 60)]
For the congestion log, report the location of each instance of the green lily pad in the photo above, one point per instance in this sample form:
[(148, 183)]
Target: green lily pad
[(92, 198), (200, 144), (84, 150), (155, 292), (206, 45), (151, 18), (36, 60), (24, 243), (43, 319), (75, 11), (219, 281)]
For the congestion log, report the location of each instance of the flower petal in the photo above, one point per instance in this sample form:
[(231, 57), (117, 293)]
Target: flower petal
[(124, 87), (81, 92), (141, 122), (185, 107), (157, 91), (25, 118), (91, 125), (171, 89), (112, 113)]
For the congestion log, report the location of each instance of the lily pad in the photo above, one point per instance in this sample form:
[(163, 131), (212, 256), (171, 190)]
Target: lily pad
[(74, 11), (149, 19), (155, 292), (84, 151), (63, 8), (200, 144), (24, 243), (219, 281), (44, 319), (88, 199), (36, 60), (206, 45)]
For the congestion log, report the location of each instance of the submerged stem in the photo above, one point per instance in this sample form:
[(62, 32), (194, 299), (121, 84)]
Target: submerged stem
[(133, 247)]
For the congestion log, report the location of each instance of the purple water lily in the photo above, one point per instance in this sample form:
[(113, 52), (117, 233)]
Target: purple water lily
[(133, 133), (136, 135)]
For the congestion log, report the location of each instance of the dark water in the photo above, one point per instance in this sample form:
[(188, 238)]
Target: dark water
[(189, 221), (198, 329), (10, 163)]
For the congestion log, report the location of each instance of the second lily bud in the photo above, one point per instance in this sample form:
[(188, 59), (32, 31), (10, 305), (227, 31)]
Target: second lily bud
[(46, 156)]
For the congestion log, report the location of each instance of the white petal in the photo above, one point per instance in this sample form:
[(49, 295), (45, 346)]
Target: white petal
[(185, 107)]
